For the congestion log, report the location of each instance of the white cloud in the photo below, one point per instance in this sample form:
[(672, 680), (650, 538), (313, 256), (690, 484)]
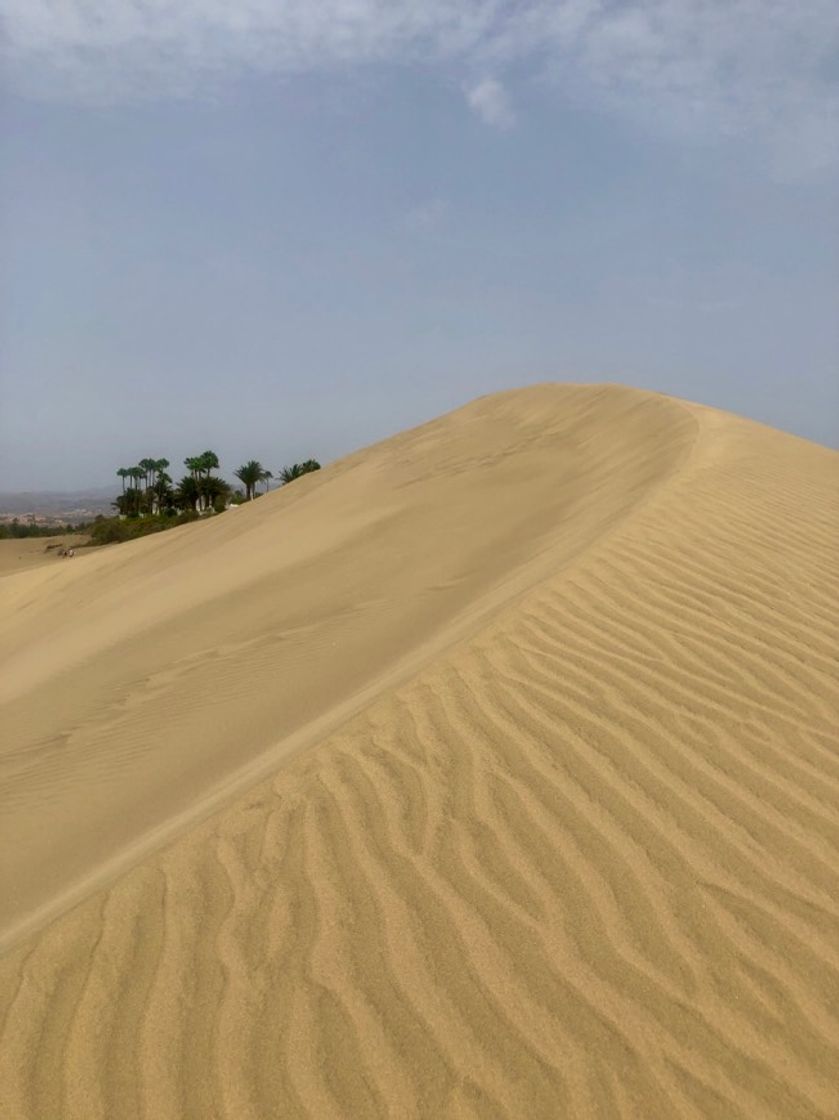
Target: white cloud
[(757, 68), (490, 101), (763, 68)]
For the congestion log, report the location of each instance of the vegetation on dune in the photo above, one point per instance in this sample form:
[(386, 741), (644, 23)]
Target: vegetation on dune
[(109, 530), (288, 474), (150, 491), (250, 474), (151, 501)]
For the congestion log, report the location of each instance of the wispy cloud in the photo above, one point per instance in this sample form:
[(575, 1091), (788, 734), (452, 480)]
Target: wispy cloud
[(762, 67), (490, 101)]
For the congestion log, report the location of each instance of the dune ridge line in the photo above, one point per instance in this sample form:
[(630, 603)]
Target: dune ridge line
[(569, 846)]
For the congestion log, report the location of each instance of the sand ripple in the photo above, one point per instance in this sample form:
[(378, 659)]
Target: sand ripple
[(581, 863)]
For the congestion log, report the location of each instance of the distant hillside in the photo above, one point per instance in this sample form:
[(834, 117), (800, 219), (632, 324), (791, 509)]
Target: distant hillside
[(58, 505)]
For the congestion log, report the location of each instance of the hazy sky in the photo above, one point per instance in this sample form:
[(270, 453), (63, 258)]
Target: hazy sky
[(283, 229)]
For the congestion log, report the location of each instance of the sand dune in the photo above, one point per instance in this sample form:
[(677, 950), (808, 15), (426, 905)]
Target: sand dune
[(491, 772), (33, 552)]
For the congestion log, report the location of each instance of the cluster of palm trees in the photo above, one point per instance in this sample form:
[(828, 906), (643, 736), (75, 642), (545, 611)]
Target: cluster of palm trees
[(250, 474), (148, 490), (288, 474), (201, 490)]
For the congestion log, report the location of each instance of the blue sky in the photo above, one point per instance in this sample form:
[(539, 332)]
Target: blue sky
[(288, 229)]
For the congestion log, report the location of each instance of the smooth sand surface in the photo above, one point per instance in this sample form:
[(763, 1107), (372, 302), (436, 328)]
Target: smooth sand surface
[(33, 552), (491, 772)]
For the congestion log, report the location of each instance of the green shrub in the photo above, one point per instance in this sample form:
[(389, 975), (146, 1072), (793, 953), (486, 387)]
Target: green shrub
[(111, 530)]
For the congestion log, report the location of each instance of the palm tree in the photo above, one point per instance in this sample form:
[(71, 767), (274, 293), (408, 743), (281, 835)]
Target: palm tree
[(250, 474), (200, 467), (128, 502), (188, 493), (296, 470), (147, 465), (216, 493), (161, 489), (208, 461), (136, 474)]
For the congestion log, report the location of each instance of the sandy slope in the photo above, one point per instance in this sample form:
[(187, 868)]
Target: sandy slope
[(545, 694), (33, 552)]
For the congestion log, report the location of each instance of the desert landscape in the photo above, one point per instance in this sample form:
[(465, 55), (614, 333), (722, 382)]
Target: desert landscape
[(33, 552), (490, 772)]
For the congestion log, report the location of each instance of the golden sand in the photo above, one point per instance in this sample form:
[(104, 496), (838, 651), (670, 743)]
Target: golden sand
[(491, 772), (26, 553)]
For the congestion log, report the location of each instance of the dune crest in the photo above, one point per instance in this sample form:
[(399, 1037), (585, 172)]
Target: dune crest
[(532, 711)]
